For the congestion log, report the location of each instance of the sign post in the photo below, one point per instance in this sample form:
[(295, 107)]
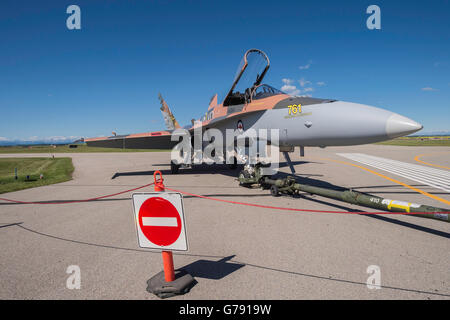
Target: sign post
[(169, 271), (160, 225)]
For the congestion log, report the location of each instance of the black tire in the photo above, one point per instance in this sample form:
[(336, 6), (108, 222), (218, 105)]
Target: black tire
[(274, 191), (264, 186), (174, 167)]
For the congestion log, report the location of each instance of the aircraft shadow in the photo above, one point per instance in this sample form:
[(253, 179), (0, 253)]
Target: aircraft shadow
[(202, 169), (411, 225)]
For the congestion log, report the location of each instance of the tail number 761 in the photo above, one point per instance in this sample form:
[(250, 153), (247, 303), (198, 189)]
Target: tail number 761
[(294, 109)]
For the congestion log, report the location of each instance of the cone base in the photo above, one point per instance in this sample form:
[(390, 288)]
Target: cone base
[(161, 288)]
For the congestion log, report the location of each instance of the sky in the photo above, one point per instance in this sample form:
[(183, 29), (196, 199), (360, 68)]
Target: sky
[(57, 83)]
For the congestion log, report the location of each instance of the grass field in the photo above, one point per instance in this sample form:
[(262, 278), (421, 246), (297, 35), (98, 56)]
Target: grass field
[(437, 141), (66, 149), (54, 171)]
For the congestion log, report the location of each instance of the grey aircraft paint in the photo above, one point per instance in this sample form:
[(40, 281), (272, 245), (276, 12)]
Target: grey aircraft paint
[(335, 123)]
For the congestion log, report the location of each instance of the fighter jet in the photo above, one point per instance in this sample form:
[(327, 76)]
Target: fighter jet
[(301, 121)]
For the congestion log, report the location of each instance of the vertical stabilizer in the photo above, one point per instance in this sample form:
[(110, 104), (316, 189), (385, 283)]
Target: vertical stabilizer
[(213, 102), (169, 119)]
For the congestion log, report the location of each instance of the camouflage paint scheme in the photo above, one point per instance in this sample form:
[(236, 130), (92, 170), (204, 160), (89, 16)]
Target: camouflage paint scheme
[(302, 121)]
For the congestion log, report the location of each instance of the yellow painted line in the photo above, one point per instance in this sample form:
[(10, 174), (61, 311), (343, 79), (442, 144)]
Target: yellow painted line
[(430, 164), (432, 196)]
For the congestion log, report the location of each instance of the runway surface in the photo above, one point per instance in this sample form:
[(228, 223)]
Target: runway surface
[(235, 252)]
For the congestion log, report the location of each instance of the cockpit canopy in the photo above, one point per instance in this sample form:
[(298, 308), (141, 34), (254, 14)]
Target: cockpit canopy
[(263, 91), (247, 85), (250, 73)]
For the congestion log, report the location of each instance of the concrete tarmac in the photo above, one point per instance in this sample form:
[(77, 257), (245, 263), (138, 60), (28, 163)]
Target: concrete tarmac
[(235, 252)]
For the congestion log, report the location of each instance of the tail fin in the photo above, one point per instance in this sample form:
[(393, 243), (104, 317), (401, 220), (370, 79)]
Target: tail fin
[(169, 119), (213, 102)]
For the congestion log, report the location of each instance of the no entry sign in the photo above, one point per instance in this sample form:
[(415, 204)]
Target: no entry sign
[(159, 220)]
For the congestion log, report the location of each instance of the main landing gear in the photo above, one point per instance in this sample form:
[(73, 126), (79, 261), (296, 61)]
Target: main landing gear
[(174, 167)]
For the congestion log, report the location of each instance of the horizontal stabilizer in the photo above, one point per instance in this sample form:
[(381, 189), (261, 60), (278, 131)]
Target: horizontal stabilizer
[(147, 140)]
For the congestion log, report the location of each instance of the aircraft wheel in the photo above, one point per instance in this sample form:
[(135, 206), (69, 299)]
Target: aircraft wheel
[(174, 167), (274, 191)]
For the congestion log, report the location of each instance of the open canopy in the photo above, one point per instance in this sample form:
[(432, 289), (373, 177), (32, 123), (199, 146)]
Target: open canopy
[(250, 73)]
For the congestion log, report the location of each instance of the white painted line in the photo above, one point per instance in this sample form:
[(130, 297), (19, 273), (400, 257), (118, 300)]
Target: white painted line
[(435, 178), (426, 176), (430, 171), (159, 222), (442, 182), (434, 183), (435, 172)]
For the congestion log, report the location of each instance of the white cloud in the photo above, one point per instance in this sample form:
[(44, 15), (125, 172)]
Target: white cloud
[(291, 90), (4, 139), (429, 89), (303, 82), (305, 87), (58, 138), (288, 88), (306, 66)]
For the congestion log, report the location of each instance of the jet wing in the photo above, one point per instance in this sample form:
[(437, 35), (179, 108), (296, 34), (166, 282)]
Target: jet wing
[(146, 140)]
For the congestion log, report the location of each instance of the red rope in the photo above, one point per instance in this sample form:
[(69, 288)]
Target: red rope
[(159, 183), (77, 201)]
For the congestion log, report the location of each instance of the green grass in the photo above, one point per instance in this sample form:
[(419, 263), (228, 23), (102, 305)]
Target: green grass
[(65, 149), (54, 170), (436, 141)]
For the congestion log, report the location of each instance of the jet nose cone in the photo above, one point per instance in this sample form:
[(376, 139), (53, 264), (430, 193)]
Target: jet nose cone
[(397, 126)]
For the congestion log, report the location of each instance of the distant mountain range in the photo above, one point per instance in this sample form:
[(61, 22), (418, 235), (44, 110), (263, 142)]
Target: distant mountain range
[(74, 139), (51, 140)]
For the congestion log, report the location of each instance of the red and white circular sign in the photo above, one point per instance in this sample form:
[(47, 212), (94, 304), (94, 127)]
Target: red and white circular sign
[(160, 220)]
